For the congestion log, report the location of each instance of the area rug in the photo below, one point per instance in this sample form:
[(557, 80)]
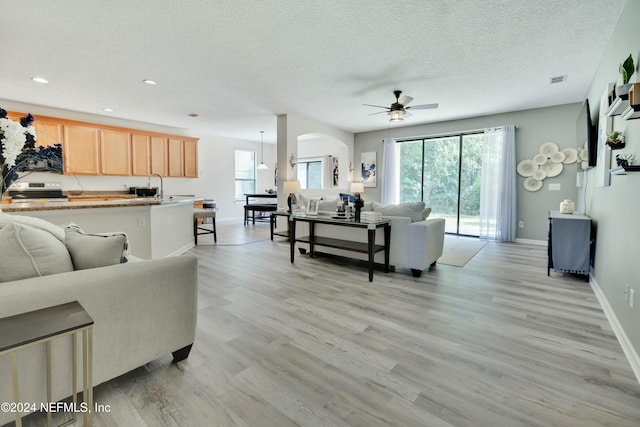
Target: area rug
[(459, 250), (234, 233)]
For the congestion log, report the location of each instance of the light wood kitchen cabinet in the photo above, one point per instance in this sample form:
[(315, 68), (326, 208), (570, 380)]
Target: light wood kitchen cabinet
[(95, 149), (140, 154), (48, 129), (176, 157), (48, 133), (115, 152), (159, 156), (191, 158), (80, 149)]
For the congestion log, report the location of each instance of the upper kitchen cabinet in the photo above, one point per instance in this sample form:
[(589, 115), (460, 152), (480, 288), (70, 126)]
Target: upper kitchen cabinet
[(191, 158), (140, 154), (176, 157), (48, 129), (159, 155), (94, 149), (48, 132), (115, 152), (80, 149)]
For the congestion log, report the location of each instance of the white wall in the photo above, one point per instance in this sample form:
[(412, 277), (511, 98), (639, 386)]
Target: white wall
[(290, 127), (216, 163)]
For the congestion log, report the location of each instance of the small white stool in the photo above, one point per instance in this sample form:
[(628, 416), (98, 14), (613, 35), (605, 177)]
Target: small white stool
[(200, 214)]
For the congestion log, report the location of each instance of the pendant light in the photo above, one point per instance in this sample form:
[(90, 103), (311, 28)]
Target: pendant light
[(262, 166)]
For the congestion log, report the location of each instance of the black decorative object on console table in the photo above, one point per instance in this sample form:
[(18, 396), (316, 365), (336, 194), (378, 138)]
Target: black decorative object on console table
[(358, 205)]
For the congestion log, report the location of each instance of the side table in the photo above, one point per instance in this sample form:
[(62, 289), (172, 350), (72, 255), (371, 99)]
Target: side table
[(274, 223), (569, 243), (43, 326)]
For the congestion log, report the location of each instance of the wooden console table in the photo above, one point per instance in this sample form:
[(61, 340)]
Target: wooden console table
[(369, 248), (43, 326)]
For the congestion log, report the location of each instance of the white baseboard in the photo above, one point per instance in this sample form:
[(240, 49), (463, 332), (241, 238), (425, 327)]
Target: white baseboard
[(532, 242), (627, 347), (182, 250)]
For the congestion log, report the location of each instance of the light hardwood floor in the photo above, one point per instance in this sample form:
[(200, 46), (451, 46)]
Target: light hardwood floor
[(496, 343)]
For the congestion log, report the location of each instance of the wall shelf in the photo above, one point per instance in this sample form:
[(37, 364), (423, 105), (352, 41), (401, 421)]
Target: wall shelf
[(618, 106), (631, 112), (623, 170)]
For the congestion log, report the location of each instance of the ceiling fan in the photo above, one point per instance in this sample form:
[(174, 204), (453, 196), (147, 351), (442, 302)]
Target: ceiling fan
[(398, 109)]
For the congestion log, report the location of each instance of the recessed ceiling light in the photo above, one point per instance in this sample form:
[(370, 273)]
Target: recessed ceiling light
[(39, 80), (108, 110), (149, 82), (558, 79)]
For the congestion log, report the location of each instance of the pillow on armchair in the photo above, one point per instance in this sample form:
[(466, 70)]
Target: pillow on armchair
[(27, 252), (95, 250)]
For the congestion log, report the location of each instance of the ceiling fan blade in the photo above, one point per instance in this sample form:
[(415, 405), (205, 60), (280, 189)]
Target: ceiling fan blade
[(424, 107), (377, 106), (404, 100), (379, 112)]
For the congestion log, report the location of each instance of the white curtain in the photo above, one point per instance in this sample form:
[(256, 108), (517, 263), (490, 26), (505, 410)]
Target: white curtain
[(498, 185), (390, 172)]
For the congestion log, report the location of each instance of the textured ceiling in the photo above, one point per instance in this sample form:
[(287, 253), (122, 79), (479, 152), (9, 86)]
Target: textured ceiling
[(239, 63)]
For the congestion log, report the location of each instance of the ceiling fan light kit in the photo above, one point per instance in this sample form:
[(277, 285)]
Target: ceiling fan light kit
[(398, 110), (396, 116)]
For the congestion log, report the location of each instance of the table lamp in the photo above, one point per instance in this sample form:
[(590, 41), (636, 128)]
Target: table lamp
[(291, 188), (357, 188)]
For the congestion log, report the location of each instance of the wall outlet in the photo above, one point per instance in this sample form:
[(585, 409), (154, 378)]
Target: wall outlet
[(632, 297), (141, 221), (521, 224)]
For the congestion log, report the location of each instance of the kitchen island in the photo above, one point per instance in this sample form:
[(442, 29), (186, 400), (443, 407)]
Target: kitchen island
[(156, 228)]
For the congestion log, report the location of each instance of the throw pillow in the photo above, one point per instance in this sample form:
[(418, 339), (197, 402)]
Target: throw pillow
[(425, 213), (351, 197), (6, 219), (94, 250), (30, 252), (412, 210)]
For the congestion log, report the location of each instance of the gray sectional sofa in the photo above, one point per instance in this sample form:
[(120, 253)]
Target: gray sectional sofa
[(416, 240), (142, 310)]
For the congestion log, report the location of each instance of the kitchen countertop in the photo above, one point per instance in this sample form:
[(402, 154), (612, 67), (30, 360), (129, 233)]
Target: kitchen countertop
[(119, 202)]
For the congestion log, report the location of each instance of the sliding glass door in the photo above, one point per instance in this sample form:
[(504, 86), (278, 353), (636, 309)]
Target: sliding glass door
[(444, 172)]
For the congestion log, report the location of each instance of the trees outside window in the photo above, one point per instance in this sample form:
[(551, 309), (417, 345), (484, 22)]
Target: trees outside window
[(444, 172)]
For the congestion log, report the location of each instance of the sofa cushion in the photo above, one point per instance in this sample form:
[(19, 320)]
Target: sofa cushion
[(425, 213), (57, 231), (95, 250), (413, 210), (30, 252)]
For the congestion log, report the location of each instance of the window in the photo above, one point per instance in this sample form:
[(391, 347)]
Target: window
[(310, 173), (245, 173)]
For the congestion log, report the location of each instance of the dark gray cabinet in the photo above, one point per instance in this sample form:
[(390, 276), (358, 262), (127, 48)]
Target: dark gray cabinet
[(569, 243)]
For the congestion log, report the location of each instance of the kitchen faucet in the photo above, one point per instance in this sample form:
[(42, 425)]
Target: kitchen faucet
[(160, 195)]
